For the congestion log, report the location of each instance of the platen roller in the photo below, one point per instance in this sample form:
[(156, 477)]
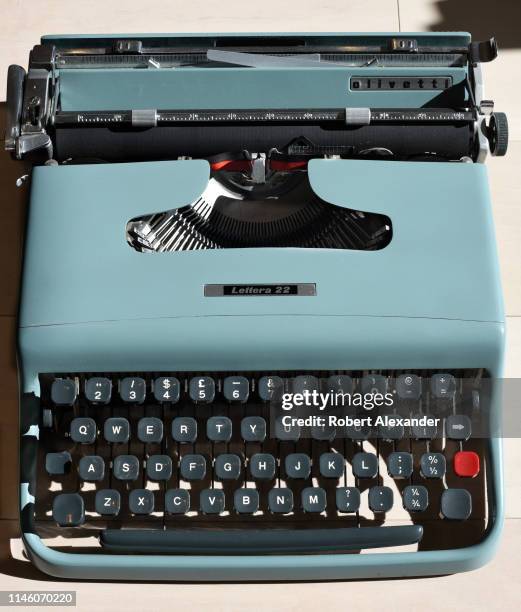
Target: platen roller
[(444, 141)]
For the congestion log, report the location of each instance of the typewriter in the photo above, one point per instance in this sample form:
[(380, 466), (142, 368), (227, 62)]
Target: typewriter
[(225, 234)]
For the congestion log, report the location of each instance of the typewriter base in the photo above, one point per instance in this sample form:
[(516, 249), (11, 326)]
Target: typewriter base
[(259, 568)]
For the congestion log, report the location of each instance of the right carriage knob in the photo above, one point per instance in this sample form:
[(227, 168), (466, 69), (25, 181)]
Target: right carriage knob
[(498, 134)]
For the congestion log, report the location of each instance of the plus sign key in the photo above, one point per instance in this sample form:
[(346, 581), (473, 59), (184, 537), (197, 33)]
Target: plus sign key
[(443, 386)]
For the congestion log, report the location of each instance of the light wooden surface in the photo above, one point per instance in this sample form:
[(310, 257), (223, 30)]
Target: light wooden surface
[(494, 587)]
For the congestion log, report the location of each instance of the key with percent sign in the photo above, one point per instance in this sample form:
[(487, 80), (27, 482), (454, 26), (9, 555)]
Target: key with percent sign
[(433, 465)]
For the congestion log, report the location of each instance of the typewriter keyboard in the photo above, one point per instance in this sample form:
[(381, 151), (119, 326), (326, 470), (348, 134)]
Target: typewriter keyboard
[(142, 460)]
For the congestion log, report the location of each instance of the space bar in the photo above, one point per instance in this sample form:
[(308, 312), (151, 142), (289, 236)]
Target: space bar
[(257, 541)]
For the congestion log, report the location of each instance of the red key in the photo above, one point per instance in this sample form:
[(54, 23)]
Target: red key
[(466, 464)]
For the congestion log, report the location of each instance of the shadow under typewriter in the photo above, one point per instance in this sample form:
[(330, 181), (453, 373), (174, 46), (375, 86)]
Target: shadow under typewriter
[(236, 212)]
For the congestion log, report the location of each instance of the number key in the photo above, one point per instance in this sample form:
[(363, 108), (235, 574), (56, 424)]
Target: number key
[(202, 390), (133, 390), (271, 388), (236, 389), (373, 384), (98, 390), (304, 383), (340, 384), (167, 389)]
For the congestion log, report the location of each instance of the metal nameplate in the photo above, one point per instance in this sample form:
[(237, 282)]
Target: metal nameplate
[(281, 289)]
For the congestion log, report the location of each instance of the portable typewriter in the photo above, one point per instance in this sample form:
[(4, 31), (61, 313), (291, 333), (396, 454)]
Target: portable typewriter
[(218, 225)]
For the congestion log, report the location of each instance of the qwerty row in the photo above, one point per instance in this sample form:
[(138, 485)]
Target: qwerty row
[(185, 430), (205, 389)]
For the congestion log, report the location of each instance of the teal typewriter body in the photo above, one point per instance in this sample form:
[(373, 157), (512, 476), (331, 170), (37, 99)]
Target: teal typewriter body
[(220, 225)]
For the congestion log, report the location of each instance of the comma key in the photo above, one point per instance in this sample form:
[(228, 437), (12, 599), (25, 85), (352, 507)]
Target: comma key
[(347, 499)]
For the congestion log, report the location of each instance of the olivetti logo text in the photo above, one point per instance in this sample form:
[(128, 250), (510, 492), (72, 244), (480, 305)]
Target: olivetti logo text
[(400, 83)]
